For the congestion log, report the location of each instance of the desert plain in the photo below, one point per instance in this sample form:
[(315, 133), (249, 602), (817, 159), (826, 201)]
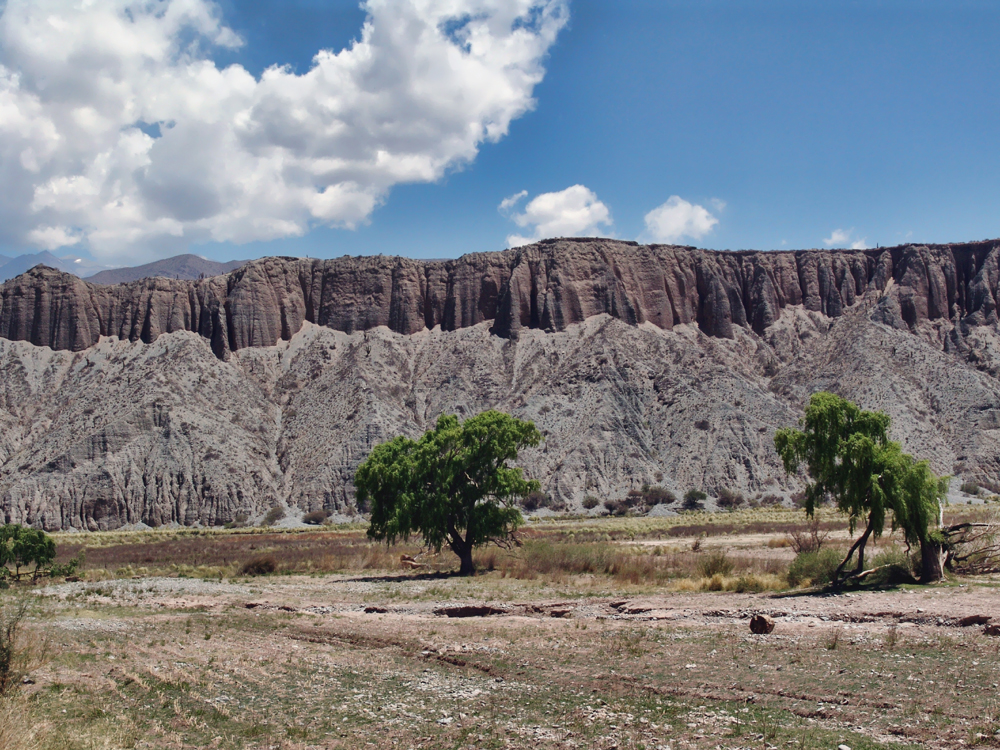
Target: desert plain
[(628, 633)]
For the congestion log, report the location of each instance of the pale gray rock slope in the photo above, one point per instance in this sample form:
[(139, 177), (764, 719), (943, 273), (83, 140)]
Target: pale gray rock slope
[(194, 426)]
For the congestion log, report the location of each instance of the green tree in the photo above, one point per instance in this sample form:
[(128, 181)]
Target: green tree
[(694, 500), (24, 547), (453, 486), (850, 459)]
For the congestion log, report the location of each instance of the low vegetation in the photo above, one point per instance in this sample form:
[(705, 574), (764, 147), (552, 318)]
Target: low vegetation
[(274, 515), (667, 551), (350, 646), (25, 551)]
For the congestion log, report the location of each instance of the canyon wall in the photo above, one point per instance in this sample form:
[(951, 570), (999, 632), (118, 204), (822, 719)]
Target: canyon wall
[(547, 286), (192, 402)]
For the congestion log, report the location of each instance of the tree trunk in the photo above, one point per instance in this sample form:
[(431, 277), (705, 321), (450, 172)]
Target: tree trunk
[(462, 548), (930, 561), (858, 546), (467, 567)]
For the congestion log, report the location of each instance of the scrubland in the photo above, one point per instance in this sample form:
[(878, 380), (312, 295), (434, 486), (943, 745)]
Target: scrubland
[(602, 633)]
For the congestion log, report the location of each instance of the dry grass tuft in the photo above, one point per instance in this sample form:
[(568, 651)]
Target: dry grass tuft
[(641, 566), (18, 729), (262, 565)]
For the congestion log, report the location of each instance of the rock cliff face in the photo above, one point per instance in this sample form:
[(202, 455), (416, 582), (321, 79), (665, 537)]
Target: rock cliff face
[(163, 401), (547, 286)]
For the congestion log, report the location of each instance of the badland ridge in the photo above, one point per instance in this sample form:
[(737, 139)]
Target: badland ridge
[(170, 401)]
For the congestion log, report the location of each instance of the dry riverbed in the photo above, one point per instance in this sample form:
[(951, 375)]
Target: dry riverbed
[(374, 660)]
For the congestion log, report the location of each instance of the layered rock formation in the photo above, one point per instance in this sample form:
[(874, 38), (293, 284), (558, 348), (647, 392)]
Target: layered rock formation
[(163, 401), (548, 286)]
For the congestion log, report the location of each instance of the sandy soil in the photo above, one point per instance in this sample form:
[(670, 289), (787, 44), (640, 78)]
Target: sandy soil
[(336, 661)]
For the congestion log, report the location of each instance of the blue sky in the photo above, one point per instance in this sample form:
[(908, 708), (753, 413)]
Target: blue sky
[(776, 125)]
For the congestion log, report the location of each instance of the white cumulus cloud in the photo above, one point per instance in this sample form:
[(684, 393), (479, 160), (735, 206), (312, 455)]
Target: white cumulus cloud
[(118, 132), (846, 238), (573, 212), (678, 219)]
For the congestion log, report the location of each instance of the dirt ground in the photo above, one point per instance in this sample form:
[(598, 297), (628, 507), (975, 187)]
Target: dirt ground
[(373, 660)]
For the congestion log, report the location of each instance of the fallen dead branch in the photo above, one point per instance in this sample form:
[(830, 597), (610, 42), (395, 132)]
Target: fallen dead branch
[(972, 548)]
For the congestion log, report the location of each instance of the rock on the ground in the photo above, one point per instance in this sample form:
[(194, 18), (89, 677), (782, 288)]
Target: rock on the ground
[(761, 625)]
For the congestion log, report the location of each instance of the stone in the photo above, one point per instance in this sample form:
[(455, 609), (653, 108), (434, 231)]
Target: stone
[(992, 630), (761, 625), (971, 620)]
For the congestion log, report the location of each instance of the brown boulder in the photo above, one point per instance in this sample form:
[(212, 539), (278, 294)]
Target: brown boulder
[(971, 620), (761, 625)]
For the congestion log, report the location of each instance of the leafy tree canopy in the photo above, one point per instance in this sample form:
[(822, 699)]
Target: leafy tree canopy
[(849, 458), (24, 547), (453, 486)]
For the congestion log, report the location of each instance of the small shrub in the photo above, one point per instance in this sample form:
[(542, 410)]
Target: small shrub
[(894, 568), (715, 563), (769, 500), (535, 500), (639, 501), (714, 583), (273, 516), (13, 651), (590, 502), (970, 488), (694, 500), (833, 640), (315, 517), (809, 539), (238, 522), (989, 486), (749, 584), (730, 500), (814, 567), (557, 506), (261, 565), (657, 495)]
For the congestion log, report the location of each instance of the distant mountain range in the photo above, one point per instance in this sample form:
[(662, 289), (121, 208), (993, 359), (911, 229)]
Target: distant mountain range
[(11, 267), (179, 267), (188, 267)]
